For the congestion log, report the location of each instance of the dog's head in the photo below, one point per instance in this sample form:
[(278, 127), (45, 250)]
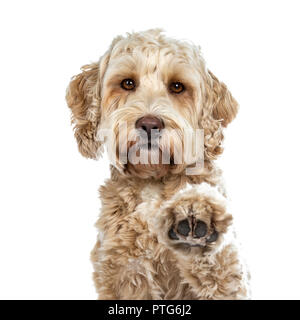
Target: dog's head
[(148, 91)]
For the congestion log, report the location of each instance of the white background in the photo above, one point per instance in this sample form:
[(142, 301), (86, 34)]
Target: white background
[(49, 200)]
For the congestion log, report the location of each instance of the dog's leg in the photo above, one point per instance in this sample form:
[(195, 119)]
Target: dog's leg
[(123, 267), (195, 225)]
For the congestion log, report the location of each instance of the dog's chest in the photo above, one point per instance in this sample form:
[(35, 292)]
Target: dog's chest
[(151, 199)]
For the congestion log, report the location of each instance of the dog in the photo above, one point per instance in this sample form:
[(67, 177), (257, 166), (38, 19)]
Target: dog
[(165, 230)]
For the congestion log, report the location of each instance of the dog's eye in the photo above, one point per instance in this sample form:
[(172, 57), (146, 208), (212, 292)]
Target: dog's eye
[(176, 87), (128, 84)]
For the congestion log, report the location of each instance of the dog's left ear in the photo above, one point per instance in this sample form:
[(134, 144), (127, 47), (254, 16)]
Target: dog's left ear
[(219, 109), (224, 106)]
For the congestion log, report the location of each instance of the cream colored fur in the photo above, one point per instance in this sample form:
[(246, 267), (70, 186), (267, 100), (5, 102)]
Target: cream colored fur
[(135, 257)]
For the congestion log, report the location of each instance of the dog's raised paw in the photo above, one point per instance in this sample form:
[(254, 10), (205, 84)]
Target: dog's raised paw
[(194, 221), (192, 232)]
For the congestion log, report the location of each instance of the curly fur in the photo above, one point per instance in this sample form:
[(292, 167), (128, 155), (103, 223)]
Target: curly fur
[(134, 258)]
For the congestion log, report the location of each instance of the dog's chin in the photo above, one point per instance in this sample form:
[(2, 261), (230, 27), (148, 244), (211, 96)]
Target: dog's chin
[(150, 169), (153, 170), (146, 171)]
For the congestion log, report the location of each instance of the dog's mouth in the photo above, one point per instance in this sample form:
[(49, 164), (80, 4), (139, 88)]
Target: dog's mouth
[(150, 141), (150, 146), (149, 154), (152, 151)]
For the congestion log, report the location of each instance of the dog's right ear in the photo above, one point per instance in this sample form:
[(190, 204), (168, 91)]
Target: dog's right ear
[(84, 100)]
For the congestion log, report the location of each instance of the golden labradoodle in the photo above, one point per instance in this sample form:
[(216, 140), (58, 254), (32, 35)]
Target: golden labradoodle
[(165, 231)]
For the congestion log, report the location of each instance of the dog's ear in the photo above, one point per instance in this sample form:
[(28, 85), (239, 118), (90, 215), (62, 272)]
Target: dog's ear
[(84, 100), (224, 106), (219, 109)]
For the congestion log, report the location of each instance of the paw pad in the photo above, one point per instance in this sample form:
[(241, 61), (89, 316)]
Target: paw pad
[(192, 232), (183, 228), (173, 235), (200, 229), (213, 237)]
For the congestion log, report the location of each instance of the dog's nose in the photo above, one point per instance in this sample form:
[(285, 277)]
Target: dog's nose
[(149, 123)]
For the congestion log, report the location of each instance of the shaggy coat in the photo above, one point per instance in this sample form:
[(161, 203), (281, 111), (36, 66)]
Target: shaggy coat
[(163, 234)]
